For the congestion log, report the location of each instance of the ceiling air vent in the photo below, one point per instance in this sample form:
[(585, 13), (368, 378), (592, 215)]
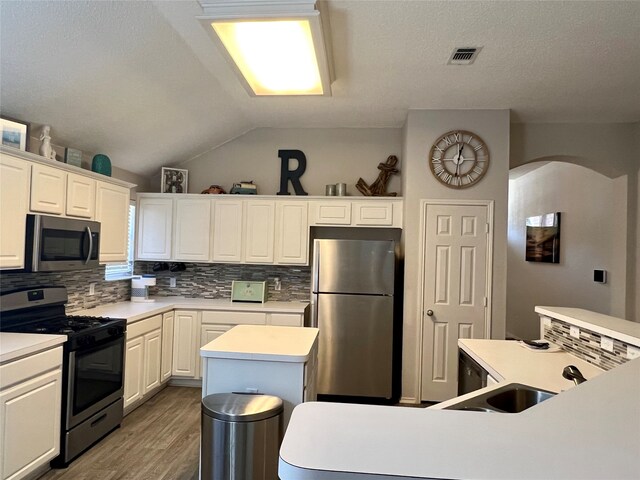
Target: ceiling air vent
[(464, 56)]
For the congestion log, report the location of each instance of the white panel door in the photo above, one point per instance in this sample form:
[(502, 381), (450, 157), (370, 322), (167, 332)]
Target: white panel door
[(30, 425), (48, 189), (186, 338), (192, 230), (227, 231), (292, 234), (112, 211), (15, 175), (259, 231), (133, 370), (152, 357), (155, 216), (455, 291), (167, 346), (81, 196)]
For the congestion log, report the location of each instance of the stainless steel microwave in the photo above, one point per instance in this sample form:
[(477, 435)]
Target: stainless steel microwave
[(56, 244)]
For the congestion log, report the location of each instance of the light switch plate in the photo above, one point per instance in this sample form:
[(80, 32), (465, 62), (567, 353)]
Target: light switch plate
[(574, 331), (632, 352), (172, 282), (606, 343)]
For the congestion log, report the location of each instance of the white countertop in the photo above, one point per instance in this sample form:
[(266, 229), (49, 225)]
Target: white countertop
[(623, 330), (133, 311), (591, 431), (263, 342), (16, 345)]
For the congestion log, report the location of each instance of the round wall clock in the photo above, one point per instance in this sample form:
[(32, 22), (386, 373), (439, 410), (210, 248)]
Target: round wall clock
[(459, 159)]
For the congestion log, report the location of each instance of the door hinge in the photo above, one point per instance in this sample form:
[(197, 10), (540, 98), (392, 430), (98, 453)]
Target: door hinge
[(485, 301), (486, 228)]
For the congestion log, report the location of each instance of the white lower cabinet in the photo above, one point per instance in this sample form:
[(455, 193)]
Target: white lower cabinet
[(30, 407), (167, 346), (209, 333), (186, 333), (142, 359)]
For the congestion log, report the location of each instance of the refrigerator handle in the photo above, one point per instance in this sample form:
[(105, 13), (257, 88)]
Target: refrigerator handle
[(315, 279)]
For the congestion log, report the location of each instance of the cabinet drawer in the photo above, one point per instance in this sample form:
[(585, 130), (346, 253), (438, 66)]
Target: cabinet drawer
[(332, 213), (285, 319), (234, 318), (31, 366), (143, 326)]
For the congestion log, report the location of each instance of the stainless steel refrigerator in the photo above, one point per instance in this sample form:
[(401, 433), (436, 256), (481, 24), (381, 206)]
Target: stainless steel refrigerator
[(353, 306)]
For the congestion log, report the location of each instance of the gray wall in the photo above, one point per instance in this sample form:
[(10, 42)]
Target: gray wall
[(423, 127), (591, 238), (333, 156)]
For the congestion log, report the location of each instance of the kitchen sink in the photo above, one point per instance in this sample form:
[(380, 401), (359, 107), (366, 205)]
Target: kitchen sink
[(511, 398)]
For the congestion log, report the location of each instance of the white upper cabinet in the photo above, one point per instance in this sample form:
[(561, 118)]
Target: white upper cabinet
[(112, 211), (192, 229), (331, 212), (155, 217), (48, 190), (15, 175), (292, 234), (227, 231), (259, 231), (81, 196), (364, 212), (377, 213)]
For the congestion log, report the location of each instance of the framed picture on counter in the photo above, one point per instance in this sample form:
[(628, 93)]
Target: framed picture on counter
[(543, 238), (174, 180), (14, 133)]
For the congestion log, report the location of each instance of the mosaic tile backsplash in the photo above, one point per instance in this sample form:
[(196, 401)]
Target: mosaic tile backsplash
[(77, 283), (207, 280), (587, 347)]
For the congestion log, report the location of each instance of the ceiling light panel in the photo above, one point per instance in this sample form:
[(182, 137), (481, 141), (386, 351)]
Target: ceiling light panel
[(275, 51)]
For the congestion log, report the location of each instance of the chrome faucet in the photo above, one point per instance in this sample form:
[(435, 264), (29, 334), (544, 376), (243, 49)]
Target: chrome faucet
[(571, 372)]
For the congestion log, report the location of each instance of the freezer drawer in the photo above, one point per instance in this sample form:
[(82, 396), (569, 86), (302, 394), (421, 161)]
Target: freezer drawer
[(356, 344)]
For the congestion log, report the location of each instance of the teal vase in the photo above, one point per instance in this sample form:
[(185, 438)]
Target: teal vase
[(101, 164)]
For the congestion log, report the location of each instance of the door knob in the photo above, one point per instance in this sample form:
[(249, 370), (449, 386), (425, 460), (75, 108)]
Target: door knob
[(429, 313)]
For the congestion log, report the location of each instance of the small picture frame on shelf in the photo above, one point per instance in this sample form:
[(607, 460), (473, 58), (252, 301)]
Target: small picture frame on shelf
[(73, 157), (174, 180), (14, 133)]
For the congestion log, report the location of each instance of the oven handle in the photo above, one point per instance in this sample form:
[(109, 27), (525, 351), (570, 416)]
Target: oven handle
[(90, 244)]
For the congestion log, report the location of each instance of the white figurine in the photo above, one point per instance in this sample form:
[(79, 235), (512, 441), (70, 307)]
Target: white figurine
[(45, 147)]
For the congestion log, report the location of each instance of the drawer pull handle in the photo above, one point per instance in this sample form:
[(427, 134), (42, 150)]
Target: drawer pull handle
[(99, 419)]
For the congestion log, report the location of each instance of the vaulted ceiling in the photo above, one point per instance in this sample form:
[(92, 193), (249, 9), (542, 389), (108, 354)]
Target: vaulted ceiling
[(143, 82)]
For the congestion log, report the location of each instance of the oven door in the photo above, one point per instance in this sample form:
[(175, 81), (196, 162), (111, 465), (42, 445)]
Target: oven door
[(57, 244), (95, 379)]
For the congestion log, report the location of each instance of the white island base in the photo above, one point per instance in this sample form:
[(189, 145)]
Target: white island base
[(278, 361)]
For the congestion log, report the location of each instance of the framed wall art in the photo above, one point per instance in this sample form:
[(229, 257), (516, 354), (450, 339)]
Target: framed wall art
[(174, 180), (14, 133), (543, 238)]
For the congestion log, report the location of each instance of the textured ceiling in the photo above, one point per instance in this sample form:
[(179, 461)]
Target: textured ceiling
[(142, 81)]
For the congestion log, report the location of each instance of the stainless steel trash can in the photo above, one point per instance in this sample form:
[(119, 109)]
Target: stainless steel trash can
[(241, 436)]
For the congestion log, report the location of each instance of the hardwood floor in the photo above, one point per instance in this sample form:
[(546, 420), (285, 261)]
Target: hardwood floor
[(158, 441)]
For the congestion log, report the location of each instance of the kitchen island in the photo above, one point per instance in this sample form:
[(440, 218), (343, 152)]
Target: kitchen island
[(591, 431)]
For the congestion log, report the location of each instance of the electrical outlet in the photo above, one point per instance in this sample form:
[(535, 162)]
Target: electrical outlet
[(546, 322), (277, 284), (632, 352), (606, 343), (92, 288), (574, 331), (172, 282)]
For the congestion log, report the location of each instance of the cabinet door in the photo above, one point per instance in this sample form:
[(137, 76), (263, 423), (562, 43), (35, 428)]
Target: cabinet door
[(81, 196), (208, 333), (48, 189), (331, 212), (285, 319), (154, 228), (30, 424), (133, 370), (112, 211), (259, 231), (167, 346), (192, 230), (152, 354), (373, 213), (186, 333), (15, 175), (227, 231), (292, 235)]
